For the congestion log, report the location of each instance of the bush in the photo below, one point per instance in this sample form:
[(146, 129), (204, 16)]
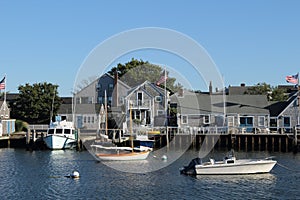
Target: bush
[(21, 126)]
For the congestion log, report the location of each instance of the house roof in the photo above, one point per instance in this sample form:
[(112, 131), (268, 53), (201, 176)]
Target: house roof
[(149, 88), (198, 103), (247, 104), (278, 108)]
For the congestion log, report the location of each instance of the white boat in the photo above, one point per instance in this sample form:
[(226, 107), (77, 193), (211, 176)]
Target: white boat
[(229, 166), (61, 135)]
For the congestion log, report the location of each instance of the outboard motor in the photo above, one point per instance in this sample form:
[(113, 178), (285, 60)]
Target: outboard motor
[(190, 169)]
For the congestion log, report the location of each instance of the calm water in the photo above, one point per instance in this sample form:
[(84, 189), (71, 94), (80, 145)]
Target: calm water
[(40, 175)]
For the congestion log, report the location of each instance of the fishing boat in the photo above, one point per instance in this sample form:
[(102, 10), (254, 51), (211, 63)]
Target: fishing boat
[(61, 135), (229, 166)]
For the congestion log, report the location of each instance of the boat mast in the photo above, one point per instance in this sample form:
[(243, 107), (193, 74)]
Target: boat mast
[(130, 125), (106, 119)]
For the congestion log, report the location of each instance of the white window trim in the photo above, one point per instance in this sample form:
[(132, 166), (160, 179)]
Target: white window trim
[(264, 121), (204, 121), (158, 97), (187, 119), (230, 121)]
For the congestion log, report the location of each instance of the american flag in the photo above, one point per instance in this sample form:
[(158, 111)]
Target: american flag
[(163, 78), (292, 79), (2, 84)]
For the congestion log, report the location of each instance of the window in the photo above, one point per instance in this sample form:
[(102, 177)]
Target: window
[(109, 100), (84, 100), (261, 121), (246, 121), (286, 121), (67, 131), (160, 112), (51, 131), (59, 131), (99, 87), (138, 114), (93, 119), (206, 119), (158, 99), (90, 100), (140, 98), (100, 100), (78, 100), (110, 87), (89, 119), (184, 119), (84, 119), (230, 121)]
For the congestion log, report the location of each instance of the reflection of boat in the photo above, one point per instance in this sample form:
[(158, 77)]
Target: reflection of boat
[(229, 165), (61, 135)]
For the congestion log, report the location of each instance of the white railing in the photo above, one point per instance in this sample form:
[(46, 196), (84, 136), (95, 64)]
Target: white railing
[(38, 126)]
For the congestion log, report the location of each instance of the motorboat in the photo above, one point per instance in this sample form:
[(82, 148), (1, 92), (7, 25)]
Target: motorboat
[(61, 135), (229, 166)]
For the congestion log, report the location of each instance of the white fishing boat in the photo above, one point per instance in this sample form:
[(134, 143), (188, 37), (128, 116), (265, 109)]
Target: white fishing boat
[(61, 135), (229, 166)]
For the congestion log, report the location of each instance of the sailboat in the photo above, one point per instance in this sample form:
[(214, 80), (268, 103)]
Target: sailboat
[(110, 152)]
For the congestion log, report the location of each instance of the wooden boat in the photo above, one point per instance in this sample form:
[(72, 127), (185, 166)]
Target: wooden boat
[(120, 153), (110, 152), (229, 166)]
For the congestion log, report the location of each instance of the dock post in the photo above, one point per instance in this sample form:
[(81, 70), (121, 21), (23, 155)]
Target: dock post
[(279, 144), (273, 141), (259, 143), (246, 143)]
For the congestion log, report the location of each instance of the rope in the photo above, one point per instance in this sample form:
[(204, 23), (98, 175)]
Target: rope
[(287, 168)]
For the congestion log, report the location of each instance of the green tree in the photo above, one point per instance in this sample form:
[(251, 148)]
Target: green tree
[(136, 72), (36, 103), (273, 93)]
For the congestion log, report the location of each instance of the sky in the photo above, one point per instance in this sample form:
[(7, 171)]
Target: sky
[(249, 41)]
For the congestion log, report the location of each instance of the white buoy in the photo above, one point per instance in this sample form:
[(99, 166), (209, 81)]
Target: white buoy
[(164, 157), (75, 174)]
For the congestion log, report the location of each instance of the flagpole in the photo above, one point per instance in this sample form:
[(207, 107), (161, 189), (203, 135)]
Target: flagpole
[(5, 88)]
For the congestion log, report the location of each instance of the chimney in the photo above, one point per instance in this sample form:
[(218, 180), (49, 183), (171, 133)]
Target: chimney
[(115, 95), (210, 87), (243, 84)]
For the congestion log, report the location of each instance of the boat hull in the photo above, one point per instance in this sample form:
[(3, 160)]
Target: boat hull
[(55, 142), (124, 156), (240, 167)]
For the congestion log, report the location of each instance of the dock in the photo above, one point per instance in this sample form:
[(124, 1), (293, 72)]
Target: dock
[(179, 138)]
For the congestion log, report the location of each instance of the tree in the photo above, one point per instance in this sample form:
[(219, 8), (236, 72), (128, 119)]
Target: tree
[(136, 72), (273, 93), (36, 103)]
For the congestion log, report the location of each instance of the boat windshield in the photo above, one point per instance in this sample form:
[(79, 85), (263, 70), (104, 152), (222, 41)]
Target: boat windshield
[(51, 131), (59, 131)]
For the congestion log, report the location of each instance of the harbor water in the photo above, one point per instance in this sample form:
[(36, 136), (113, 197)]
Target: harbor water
[(41, 175)]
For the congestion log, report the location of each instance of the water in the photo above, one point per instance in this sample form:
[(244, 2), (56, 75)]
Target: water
[(40, 175)]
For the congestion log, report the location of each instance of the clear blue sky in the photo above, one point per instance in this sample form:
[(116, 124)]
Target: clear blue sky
[(250, 41)]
